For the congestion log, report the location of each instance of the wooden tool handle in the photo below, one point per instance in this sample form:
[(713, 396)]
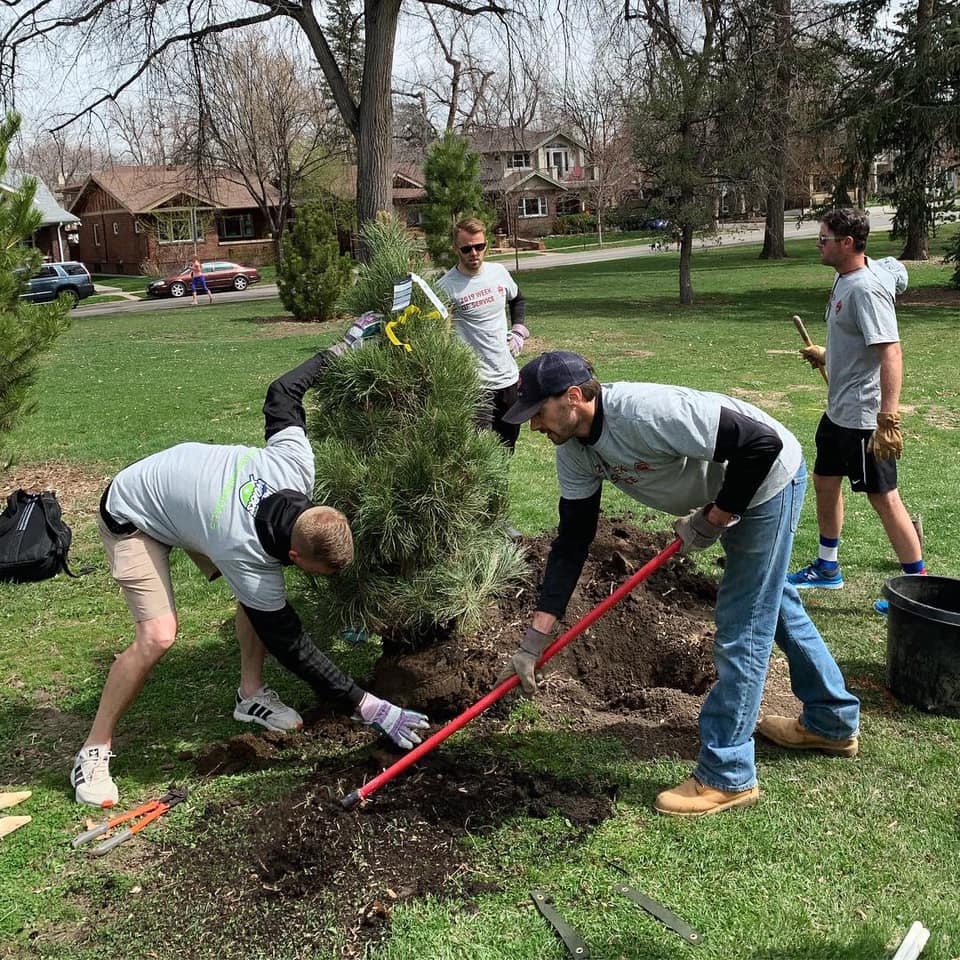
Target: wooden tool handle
[(802, 330), (807, 342)]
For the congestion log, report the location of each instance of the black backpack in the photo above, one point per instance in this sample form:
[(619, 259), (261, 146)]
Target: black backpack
[(34, 540)]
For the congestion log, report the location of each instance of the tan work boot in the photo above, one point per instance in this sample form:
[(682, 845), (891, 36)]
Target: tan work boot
[(692, 799), (791, 733)]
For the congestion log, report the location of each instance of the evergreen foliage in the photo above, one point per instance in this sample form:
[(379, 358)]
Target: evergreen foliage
[(397, 253), (26, 329), (454, 192), (398, 452), (312, 273)]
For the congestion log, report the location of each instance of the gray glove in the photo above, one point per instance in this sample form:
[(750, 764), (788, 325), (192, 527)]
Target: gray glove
[(523, 663), (363, 330), (398, 724), (516, 337), (696, 531)]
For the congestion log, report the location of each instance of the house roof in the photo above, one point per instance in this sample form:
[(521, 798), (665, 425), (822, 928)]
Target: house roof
[(43, 200), (519, 179), (509, 139), (408, 182), (141, 189)]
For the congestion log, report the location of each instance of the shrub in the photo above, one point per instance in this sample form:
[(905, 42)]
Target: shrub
[(27, 330), (312, 274)]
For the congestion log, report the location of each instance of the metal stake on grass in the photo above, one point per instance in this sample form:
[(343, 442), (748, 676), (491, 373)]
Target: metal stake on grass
[(352, 799)]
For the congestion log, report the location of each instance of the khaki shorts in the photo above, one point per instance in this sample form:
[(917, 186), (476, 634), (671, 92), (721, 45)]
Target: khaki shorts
[(141, 565)]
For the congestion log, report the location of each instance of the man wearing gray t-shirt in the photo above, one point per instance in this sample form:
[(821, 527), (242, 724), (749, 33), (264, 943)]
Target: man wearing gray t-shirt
[(481, 294), (859, 436), (244, 513), (741, 476)]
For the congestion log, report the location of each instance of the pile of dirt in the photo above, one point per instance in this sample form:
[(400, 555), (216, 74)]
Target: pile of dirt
[(651, 653)]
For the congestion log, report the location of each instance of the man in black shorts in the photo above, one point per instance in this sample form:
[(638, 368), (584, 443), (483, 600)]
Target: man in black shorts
[(859, 436)]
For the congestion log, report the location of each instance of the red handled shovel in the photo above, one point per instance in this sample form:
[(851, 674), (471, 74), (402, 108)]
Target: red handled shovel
[(363, 793)]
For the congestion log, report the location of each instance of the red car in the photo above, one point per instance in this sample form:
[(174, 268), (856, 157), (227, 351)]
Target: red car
[(220, 275)]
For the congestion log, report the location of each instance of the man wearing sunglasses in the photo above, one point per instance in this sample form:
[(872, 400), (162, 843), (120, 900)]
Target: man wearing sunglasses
[(859, 436), (482, 293)]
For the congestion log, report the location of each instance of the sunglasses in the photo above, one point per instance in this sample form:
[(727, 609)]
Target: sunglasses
[(473, 247), (823, 241)]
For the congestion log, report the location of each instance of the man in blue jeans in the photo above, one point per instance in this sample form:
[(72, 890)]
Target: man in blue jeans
[(732, 474)]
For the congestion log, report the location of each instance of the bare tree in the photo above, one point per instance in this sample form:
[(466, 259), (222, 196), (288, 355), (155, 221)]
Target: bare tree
[(681, 137), (261, 122), (595, 101), (137, 32), (60, 158)]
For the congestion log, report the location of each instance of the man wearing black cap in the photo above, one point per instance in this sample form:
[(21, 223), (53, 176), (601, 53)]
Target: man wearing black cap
[(732, 474)]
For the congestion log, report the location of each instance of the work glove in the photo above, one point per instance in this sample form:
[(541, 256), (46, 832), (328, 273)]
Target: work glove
[(365, 328), (524, 662), (516, 337), (696, 531), (887, 440), (398, 724), (815, 355)]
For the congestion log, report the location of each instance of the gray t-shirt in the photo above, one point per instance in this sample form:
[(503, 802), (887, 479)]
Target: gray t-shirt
[(480, 319), (860, 313), (657, 445), (204, 498)]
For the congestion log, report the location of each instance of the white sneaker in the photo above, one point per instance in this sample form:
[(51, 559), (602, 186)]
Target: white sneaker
[(267, 709), (91, 777)]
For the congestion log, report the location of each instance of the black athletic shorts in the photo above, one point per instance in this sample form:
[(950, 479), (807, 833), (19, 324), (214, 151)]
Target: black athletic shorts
[(842, 452)]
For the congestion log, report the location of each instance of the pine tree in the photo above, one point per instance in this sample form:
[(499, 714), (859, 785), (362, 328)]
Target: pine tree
[(312, 274), (454, 191), (398, 452), (26, 330)]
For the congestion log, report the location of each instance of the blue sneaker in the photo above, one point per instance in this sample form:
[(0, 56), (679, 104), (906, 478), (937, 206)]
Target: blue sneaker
[(815, 576), (882, 607)]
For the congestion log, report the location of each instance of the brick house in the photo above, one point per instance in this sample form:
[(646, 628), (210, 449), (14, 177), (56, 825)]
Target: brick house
[(153, 219), (531, 176), (57, 234)]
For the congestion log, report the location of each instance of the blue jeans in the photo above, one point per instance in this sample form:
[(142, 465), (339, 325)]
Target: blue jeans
[(755, 607)]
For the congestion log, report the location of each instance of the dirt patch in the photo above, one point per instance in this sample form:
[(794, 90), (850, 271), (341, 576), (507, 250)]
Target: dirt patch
[(309, 872), (78, 488), (943, 418), (765, 399), (929, 297)]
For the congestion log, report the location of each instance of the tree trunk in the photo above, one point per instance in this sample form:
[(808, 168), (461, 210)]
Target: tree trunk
[(916, 160), (375, 134), (773, 242), (773, 245), (686, 258)]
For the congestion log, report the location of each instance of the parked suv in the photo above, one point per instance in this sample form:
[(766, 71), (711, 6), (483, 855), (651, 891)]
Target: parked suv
[(52, 279)]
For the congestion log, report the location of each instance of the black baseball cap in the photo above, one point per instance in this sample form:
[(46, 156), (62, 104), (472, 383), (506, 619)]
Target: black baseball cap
[(548, 375)]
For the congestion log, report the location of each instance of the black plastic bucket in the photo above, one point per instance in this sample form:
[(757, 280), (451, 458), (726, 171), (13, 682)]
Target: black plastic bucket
[(923, 642)]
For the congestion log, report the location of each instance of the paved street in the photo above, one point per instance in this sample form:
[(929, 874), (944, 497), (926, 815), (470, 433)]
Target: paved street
[(880, 220)]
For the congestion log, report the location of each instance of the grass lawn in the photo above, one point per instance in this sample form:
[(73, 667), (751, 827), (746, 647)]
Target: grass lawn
[(834, 863)]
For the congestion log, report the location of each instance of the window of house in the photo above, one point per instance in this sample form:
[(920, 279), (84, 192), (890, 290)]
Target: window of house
[(569, 204), (176, 227), (235, 226), (519, 160), (137, 226), (532, 207), (558, 156), (116, 229), (96, 234)]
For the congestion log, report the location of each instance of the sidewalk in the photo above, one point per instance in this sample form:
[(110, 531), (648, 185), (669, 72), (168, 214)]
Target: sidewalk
[(101, 289)]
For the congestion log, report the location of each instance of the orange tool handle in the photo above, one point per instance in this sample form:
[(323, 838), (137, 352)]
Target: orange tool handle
[(107, 825)]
